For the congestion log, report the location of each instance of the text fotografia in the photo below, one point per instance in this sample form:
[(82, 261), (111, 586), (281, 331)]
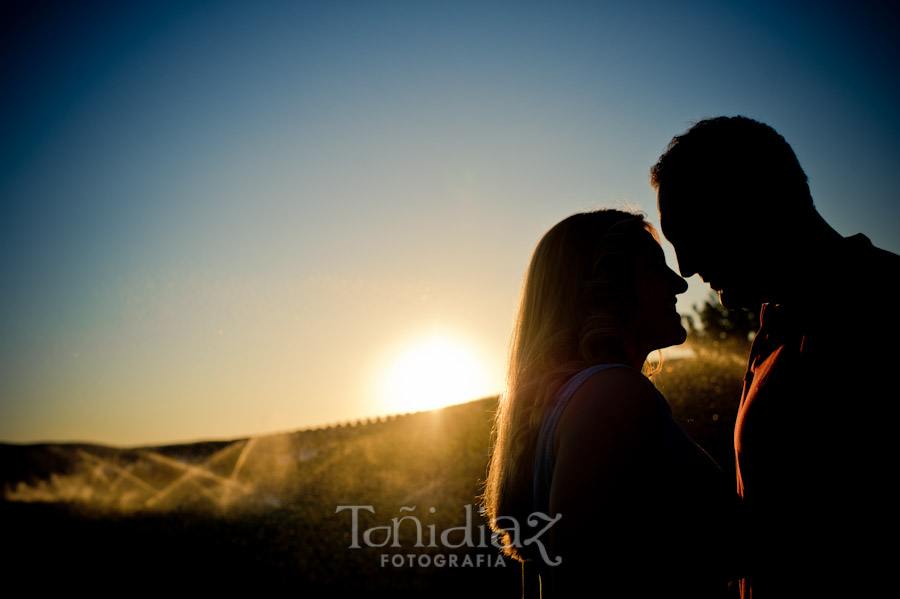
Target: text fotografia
[(468, 535)]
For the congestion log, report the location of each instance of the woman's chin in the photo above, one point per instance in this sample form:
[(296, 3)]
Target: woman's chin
[(675, 338)]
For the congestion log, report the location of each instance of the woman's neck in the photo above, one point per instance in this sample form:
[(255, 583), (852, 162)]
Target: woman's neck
[(636, 355)]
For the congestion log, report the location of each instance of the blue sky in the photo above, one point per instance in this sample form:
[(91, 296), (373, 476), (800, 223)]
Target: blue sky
[(227, 218)]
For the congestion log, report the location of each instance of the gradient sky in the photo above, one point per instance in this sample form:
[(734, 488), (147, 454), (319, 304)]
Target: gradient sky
[(229, 218)]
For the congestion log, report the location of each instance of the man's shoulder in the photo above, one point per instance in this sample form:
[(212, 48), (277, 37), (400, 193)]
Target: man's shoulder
[(863, 272), (860, 306), (861, 252)]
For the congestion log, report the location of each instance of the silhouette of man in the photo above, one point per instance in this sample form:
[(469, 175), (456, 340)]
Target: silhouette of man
[(814, 433)]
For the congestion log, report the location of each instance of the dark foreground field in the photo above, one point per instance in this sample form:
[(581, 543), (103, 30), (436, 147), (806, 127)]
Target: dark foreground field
[(277, 512)]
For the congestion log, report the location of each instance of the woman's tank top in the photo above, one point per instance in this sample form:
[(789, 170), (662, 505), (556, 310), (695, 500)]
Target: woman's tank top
[(692, 489)]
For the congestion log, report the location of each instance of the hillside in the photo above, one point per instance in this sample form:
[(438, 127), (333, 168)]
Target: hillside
[(266, 512), (256, 512)]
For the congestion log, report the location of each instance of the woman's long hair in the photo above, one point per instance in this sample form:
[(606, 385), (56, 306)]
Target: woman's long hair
[(573, 311)]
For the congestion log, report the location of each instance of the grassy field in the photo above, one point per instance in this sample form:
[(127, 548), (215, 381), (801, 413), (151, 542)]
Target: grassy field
[(704, 392), (263, 513)]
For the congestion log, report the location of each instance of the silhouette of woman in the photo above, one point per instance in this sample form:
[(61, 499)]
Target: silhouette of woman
[(582, 433)]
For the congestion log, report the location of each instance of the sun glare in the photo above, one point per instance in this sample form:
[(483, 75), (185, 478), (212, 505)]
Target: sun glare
[(432, 374)]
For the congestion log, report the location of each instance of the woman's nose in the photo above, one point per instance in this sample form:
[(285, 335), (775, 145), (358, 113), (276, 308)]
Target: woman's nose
[(679, 284)]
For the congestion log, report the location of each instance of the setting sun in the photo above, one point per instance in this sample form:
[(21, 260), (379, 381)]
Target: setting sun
[(434, 373)]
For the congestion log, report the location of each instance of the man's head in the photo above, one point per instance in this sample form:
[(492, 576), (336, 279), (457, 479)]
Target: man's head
[(730, 192)]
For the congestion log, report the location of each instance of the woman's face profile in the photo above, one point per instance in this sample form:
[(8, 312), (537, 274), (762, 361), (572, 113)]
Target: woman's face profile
[(655, 322)]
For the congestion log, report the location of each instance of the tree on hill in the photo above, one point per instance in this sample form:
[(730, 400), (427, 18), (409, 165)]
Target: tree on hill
[(721, 326)]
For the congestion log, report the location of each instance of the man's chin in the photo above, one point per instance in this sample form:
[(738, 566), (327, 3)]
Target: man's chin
[(734, 299)]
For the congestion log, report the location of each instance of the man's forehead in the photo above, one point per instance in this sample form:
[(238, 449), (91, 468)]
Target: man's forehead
[(674, 206), (684, 217), (692, 203), (687, 195)]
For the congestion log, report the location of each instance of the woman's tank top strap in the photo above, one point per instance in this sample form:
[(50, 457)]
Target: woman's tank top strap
[(544, 458)]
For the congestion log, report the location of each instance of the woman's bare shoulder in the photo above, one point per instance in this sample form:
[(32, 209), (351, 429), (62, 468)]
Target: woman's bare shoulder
[(605, 436), (623, 394)]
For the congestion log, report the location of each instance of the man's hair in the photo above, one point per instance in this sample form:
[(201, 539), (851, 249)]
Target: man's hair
[(737, 156)]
